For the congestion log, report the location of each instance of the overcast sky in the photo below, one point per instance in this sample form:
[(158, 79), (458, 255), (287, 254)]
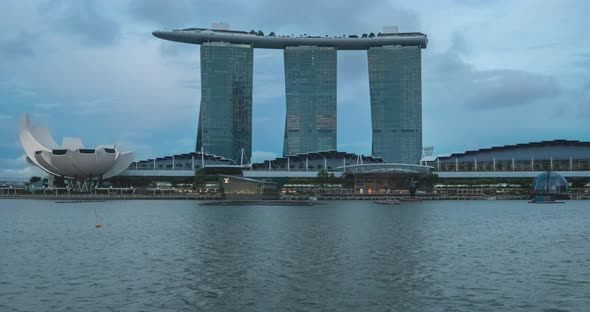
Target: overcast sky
[(494, 73)]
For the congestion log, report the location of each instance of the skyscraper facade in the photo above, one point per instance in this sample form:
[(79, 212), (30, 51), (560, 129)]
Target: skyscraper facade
[(395, 80), (225, 116), (310, 83)]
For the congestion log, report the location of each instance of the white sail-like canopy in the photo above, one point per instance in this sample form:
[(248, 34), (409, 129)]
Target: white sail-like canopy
[(71, 159)]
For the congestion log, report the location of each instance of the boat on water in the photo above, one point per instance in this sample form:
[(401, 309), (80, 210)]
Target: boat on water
[(387, 202), (545, 200), (263, 203), (411, 199), (78, 201)]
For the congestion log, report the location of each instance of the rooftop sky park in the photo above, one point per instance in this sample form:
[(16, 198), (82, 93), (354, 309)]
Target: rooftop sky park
[(272, 41)]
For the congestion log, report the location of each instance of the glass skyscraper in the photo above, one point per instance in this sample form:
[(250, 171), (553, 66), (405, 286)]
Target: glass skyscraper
[(225, 117), (310, 82), (395, 80)]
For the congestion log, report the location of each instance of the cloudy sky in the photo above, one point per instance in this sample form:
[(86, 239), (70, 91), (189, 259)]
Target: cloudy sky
[(495, 72)]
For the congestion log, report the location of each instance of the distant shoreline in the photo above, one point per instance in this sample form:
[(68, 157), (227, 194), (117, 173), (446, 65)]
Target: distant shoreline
[(217, 197)]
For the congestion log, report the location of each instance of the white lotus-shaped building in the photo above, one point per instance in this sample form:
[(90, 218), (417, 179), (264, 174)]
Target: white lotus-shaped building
[(71, 160)]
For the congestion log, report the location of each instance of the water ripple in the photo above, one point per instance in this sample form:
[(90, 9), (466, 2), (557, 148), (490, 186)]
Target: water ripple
[(344, 256)]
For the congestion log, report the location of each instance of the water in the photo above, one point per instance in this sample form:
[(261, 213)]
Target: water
[(355, 256)]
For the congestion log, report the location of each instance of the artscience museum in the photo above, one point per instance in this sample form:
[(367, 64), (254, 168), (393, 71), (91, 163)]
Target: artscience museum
[(71, 160)]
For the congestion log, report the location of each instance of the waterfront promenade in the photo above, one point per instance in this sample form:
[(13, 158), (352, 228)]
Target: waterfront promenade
[(103, 197), (197, 196)]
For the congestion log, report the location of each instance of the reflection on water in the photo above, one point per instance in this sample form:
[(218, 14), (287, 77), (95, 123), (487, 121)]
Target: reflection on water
[(356, 256)]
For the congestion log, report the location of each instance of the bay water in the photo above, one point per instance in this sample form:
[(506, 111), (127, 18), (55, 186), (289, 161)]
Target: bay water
[(342, 256)]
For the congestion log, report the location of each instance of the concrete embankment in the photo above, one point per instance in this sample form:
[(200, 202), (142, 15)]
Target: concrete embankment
[(403, 198), (93, 197)]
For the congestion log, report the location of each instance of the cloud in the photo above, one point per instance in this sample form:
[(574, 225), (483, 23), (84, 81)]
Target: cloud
[(18, 168), (508, 88), (493, 106), (12, 87), (459, 44), (14, 162), (258, 156), (47, 106), (327, 17), (21, 173), (86, 19), (186, 143), (20, 45), (93, 69), (462, 84), (179, 13), (582, 61), (346, 16)]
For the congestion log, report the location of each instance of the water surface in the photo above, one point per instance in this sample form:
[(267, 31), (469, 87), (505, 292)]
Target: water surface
[(344, 256)]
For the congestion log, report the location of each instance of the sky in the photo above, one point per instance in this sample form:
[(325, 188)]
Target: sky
[(494, 73)]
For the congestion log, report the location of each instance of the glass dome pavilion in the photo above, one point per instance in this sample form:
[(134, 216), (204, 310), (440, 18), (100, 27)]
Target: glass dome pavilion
[(550, 183)]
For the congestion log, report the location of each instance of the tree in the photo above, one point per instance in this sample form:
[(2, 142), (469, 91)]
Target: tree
[(364, 36), (260, 33), (272, 34), (34, 179), (323, 176), (371, 35), (428, 181), (200, 178), (253, 32), (348, 181)]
